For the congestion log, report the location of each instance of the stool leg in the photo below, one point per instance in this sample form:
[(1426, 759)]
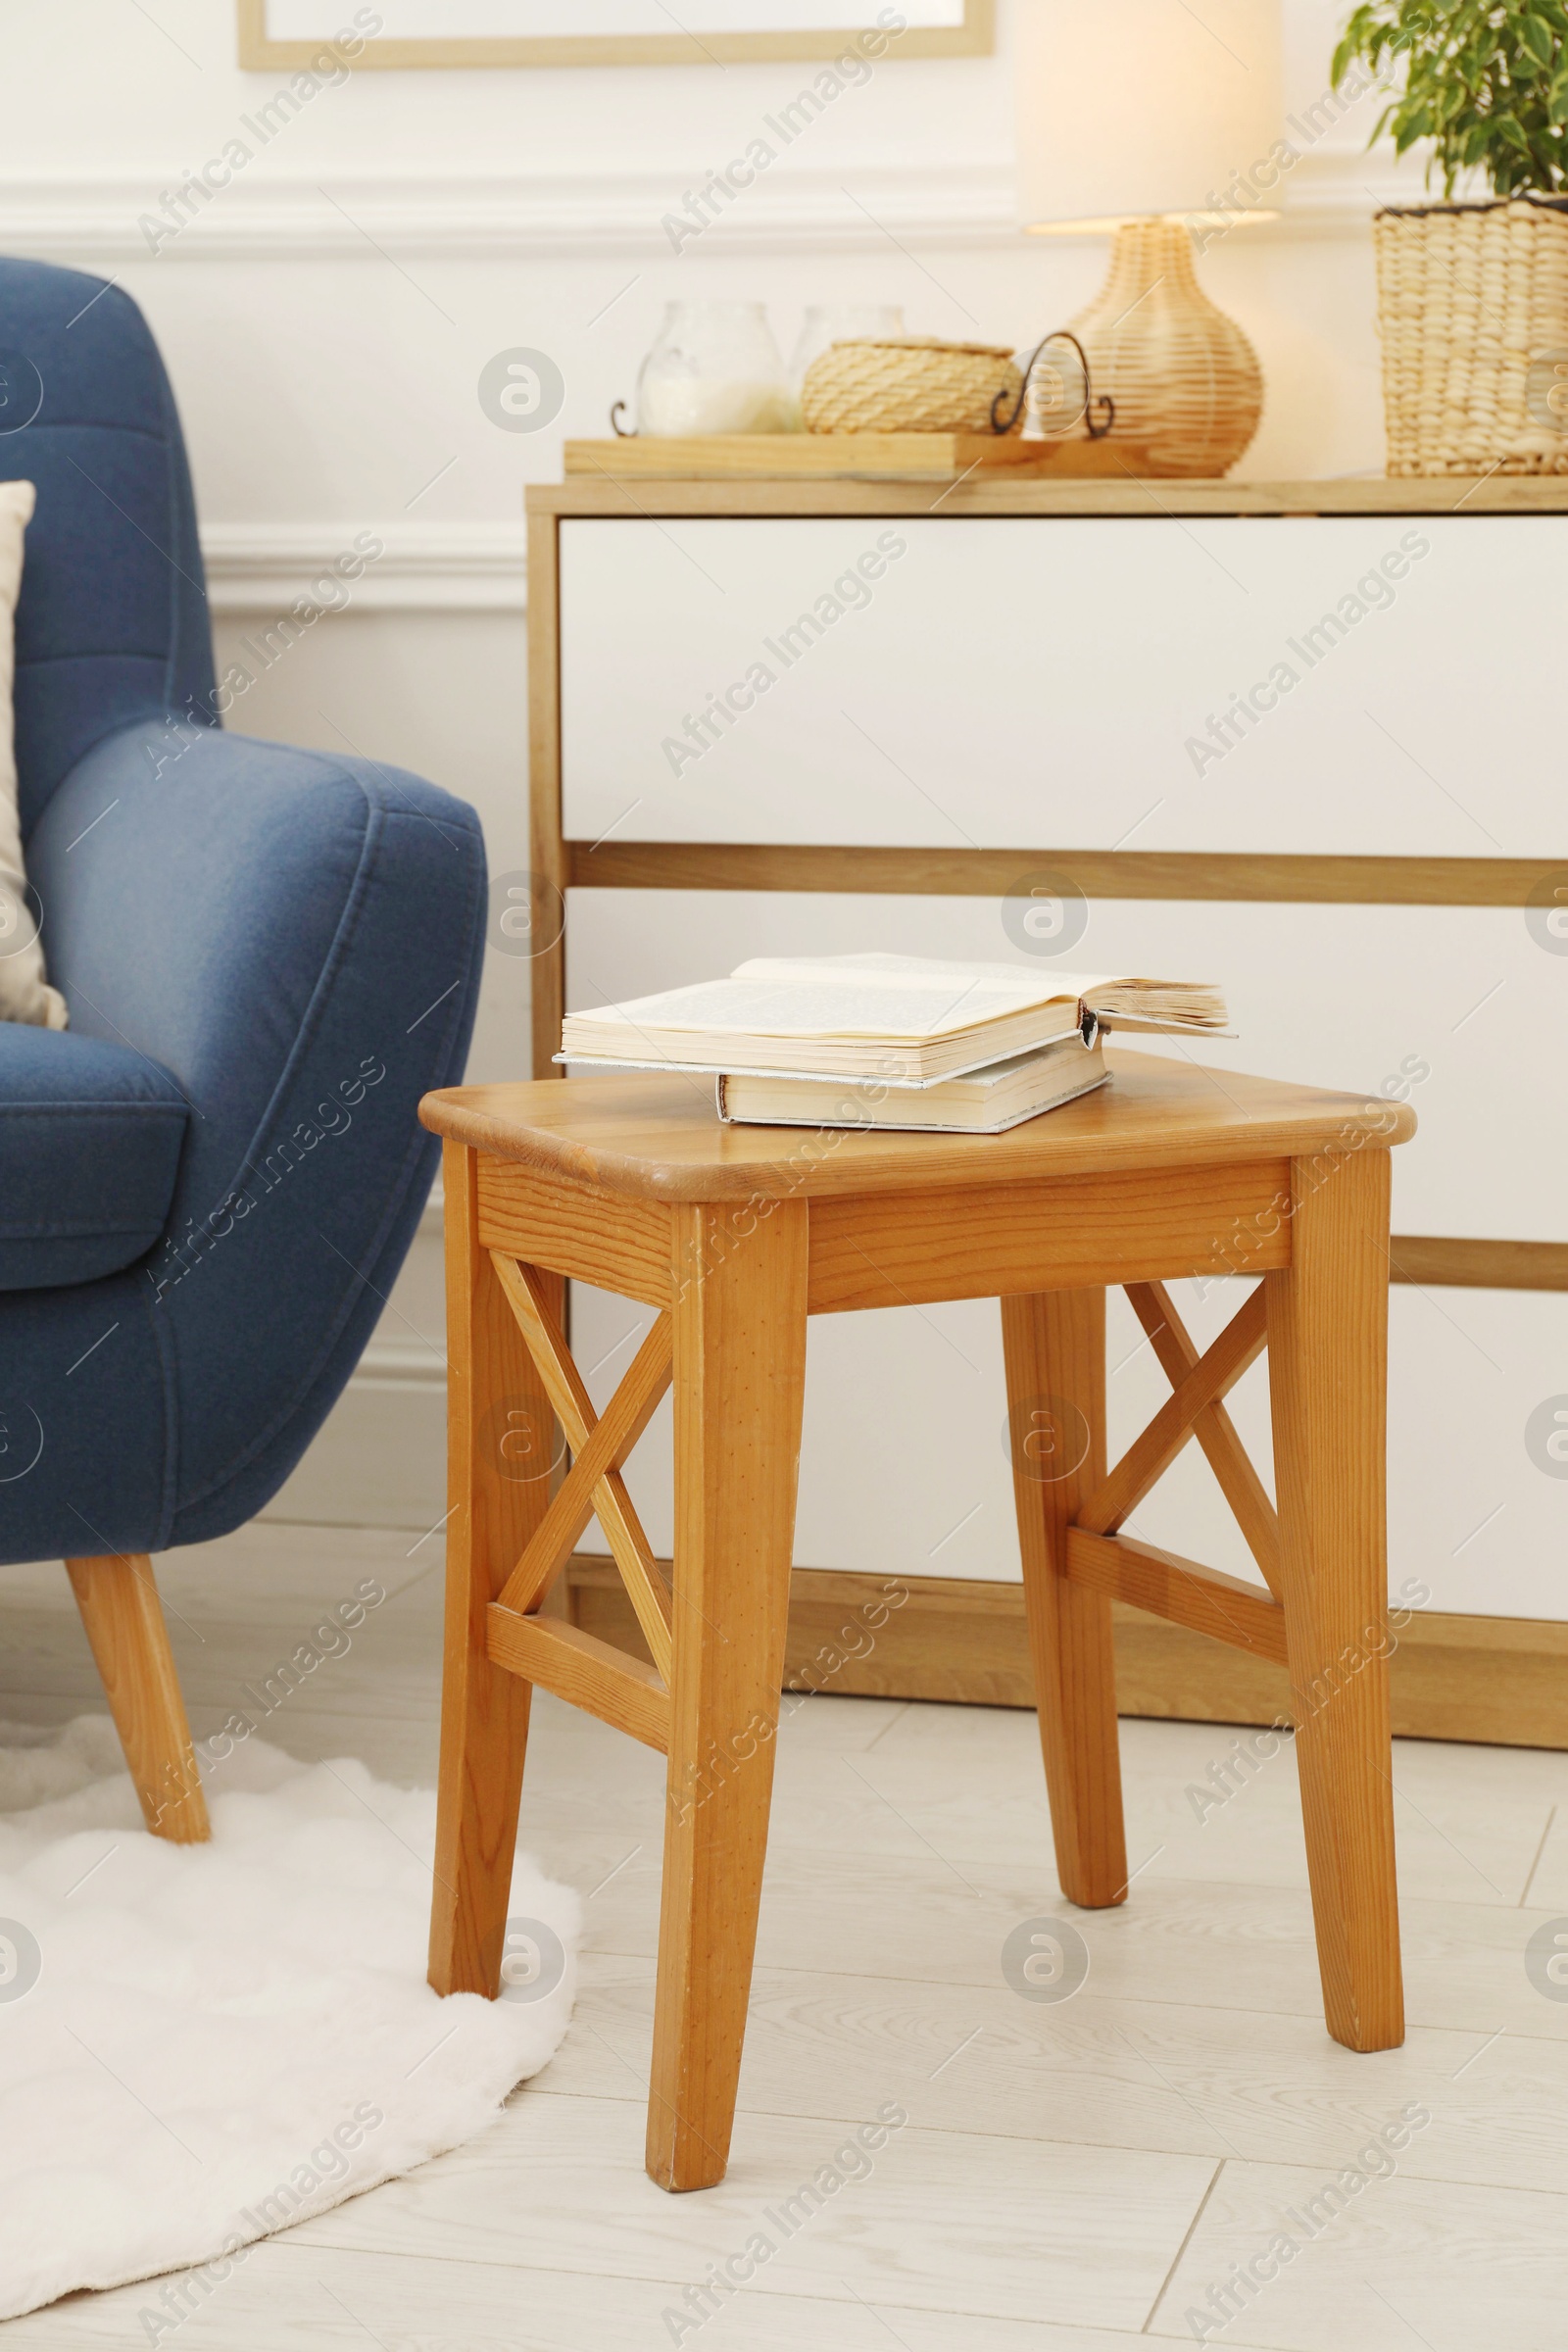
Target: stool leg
[(1054, 1346), (740, 1375), (1328, 1365), (499, 1425)]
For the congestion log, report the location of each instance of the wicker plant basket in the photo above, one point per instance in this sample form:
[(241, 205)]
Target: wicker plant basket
[(908, 385), (1473, 304)]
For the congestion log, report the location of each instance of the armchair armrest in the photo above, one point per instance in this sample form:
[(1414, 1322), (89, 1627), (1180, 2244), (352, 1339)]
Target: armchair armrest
[(297, 939)]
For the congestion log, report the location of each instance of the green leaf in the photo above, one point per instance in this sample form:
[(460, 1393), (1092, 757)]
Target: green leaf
[(1513, 131), (1380, 125)]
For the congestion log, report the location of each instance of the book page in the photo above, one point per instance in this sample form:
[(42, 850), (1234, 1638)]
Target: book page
[(1178, 1003), (1017, 984), (895, 1008)]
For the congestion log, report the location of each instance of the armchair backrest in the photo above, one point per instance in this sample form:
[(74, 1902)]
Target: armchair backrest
[(112, 623)]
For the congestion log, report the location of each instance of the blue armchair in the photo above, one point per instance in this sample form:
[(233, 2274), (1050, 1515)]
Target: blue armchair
[(209, 1181)]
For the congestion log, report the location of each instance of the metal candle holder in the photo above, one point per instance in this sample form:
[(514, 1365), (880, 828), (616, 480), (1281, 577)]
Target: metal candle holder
[(1097, 409)]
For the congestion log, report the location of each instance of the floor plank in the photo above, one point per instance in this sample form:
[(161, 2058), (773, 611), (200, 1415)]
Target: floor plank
[(941, 2220), (1106, 2071), (289, 2297), (1403, 2263)]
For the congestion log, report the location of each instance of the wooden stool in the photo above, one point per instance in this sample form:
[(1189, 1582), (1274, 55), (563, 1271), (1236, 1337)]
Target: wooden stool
[(736, 1235)]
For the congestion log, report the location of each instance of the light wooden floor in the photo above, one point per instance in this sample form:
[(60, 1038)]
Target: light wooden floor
[(1073, 2177)]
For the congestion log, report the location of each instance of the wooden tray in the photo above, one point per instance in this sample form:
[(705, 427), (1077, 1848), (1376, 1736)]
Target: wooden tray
[(818, 457)]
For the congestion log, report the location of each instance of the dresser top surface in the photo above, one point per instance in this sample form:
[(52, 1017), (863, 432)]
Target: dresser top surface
[(660, 1137), (1494, 494)]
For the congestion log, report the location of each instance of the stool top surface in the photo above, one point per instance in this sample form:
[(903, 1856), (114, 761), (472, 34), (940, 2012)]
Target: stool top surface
[(650, 1137)]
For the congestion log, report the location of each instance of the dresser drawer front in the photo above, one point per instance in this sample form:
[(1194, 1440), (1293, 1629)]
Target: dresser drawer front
[(1372, 686)]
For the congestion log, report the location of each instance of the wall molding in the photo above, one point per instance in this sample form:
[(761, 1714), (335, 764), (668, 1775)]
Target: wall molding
[(405, 1363), (264, 568), (270, 217), (97, 219), (399, 1364)]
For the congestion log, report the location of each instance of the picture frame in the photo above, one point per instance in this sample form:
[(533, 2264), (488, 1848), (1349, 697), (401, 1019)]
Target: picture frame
[(264, 46)]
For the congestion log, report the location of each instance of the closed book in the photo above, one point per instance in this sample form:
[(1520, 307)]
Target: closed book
[(983, 1101)]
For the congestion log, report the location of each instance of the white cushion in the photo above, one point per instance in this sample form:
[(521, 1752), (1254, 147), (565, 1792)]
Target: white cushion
[(25, 993)]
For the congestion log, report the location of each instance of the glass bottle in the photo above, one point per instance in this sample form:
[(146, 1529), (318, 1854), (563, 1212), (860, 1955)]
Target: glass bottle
[(714, 368)]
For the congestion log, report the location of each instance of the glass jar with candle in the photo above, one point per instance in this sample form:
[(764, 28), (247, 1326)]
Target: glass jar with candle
[(715, 368), (830, 322)]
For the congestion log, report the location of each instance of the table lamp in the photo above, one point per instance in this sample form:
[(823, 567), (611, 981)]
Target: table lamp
[(1153, 119)]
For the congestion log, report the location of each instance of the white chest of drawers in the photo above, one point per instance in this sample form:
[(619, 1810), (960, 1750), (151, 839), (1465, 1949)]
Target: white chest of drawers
[(1306, 740)]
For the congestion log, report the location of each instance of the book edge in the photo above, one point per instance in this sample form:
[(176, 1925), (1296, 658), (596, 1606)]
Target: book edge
[(929, 1126)]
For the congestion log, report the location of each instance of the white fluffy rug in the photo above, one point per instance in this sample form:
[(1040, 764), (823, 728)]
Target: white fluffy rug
[(201, 2045)]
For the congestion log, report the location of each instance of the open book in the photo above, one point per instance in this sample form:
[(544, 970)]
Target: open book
[(907, 1020)]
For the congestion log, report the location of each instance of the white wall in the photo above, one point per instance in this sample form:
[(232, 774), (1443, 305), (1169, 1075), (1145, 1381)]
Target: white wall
[(327, 316)]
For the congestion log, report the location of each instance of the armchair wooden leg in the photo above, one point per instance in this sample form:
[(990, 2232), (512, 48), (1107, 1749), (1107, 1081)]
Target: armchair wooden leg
[(1054, 1346), (118, 1598), (500, 1434), (1328, 1346), (740, 1379)]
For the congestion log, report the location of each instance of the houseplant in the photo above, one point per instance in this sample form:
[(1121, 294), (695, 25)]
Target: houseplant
[(1473, 294)]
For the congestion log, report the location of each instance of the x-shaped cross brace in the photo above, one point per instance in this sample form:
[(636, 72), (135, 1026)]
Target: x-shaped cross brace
[(600, 1443)]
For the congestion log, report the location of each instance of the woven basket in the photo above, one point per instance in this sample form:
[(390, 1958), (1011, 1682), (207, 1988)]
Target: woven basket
[(1473, 304), (907, 386)]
